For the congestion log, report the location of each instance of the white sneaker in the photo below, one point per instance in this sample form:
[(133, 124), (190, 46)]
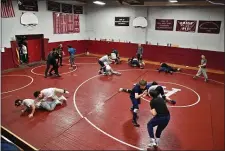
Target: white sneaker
[(120, 89), (152, 143)]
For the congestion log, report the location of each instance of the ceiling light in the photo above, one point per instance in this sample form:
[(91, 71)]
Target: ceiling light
[(173, 1), (99, 2)]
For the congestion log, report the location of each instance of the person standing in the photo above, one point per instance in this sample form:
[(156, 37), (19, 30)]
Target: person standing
[(161, 118), (138, 91), (202, 69), (51, 60), (60, 52), (24, 50), (72, 52), (139, 52)]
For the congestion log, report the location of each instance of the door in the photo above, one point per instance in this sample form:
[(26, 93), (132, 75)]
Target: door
[(34, 50)]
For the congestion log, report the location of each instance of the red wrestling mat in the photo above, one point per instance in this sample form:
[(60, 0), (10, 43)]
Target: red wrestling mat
[(97, 117)]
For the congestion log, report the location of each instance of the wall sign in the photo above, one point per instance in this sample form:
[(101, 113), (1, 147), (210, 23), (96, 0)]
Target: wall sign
[(67, 8), (122, 21), (28, 5), (164, 24), (212, 27), (186, 25), (53, 6), (77, 9)]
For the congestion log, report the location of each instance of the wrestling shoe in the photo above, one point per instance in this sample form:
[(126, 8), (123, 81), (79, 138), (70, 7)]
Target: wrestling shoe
[(135, 123), (206, 80), (173, 102)]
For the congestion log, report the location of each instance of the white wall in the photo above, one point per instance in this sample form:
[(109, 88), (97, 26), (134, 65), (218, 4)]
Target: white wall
[(100, 24), (12, 26)]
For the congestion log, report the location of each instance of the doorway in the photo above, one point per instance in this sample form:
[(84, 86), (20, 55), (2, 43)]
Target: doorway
[(30, 48)]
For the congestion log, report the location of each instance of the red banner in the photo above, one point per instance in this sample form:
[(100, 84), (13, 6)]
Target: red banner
[(76, 24), (65, 23), (164, 24), (212, 27), (186, 25)]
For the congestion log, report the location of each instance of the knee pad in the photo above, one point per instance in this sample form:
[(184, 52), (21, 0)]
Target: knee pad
[(135, 110)]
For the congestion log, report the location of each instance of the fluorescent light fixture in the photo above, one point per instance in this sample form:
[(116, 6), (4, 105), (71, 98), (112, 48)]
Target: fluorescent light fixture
[(173, 1), (99, 2)]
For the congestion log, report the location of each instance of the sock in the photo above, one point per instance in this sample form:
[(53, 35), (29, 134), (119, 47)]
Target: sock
[(135, 117), (157, 140)]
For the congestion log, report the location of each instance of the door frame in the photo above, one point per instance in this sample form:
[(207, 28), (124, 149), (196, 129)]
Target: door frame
[(34, 36)]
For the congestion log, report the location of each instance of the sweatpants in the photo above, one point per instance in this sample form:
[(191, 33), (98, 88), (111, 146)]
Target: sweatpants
[(202, 71), (161, 122), (48, 105), (102, 66)]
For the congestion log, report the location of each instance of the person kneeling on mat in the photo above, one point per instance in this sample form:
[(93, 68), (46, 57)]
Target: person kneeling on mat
[(138, 91), (161, 118), (133, 62), (167, 69), (30, 105), (50, 94), (102, 61), (109, 70)]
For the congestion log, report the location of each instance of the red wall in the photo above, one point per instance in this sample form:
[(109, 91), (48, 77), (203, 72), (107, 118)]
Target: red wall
[(8, 59), (79, 45), (182, 56)]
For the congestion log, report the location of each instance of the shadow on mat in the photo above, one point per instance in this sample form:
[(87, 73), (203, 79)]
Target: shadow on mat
[(130, 133)]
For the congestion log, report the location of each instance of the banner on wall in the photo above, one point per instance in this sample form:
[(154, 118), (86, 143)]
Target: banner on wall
[(65, 23), (212, 27), (186, 25), (164, 24), (28, 5), (122, 21)]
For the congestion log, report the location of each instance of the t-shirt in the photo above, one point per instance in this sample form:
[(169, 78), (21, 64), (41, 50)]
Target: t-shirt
[(136, 89), (104, 59), (153, 87), (48, 93), (72, 51), (28, 102), (160, 106), (52, 56), (24, 49), (203, 61), (140, 50)]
